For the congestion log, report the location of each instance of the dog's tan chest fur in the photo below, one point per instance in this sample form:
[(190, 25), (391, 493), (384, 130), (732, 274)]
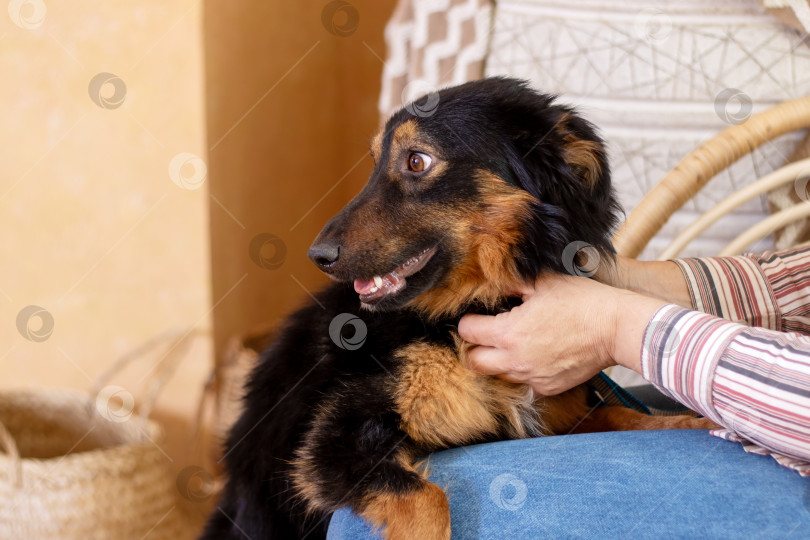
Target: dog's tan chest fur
[(444, 404)]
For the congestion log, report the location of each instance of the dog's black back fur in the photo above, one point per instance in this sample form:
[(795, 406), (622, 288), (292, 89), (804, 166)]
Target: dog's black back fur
[(288, 384)]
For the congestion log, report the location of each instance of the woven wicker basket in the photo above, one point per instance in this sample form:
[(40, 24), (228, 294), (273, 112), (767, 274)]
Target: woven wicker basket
[(70, 473), (231, 374)]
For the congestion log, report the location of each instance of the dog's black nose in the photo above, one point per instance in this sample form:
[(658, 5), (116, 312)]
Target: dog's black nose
[(324, 254)]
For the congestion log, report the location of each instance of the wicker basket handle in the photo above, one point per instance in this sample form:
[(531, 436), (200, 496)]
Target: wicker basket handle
[(8, 443), (701, 165), (158, 374)]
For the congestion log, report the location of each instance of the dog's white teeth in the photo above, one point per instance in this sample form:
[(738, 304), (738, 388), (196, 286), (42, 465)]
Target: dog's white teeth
[(378, 282)]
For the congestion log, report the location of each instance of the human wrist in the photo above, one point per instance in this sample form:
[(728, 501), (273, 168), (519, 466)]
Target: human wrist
[(634, 312), (657, 279)]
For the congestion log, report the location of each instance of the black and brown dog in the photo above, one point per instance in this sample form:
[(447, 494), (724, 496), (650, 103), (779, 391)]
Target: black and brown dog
[(466, 202)]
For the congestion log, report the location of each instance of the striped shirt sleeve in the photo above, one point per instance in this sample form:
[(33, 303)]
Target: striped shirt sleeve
[(751, 375), (753, 381), (771, 290)]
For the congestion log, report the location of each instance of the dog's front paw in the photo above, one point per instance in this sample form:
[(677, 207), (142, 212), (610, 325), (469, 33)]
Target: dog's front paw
[(422, 513)]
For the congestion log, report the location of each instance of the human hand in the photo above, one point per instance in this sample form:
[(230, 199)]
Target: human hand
[(566, 331)]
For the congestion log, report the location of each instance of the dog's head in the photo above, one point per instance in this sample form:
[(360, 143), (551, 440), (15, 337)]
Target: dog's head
[(490, 188)]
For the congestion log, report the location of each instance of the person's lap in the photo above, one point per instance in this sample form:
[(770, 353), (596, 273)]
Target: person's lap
[(643, 484)]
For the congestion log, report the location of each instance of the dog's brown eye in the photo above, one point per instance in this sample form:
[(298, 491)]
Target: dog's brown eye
[(418, 162)]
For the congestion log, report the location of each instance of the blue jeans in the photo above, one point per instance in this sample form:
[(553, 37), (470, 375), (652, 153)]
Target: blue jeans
[(634, 484)]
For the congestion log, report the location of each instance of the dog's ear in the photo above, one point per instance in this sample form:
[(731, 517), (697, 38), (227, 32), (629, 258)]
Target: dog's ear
[(555, 140), (558, 157), (585, 156)]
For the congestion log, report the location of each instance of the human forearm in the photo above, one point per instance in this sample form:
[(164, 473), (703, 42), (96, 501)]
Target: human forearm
[(769, 290), (632, 319), (755, 382), (657, 279)]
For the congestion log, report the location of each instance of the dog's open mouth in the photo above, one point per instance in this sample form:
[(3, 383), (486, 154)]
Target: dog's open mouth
[(375, 289)]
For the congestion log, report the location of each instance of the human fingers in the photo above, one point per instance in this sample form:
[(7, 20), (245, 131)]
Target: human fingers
[(488, 360), (480, 329)]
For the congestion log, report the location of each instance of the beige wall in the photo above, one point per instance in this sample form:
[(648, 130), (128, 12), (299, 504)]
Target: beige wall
[(107, 216), (292, 106), (93, 228), (96, 229)]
